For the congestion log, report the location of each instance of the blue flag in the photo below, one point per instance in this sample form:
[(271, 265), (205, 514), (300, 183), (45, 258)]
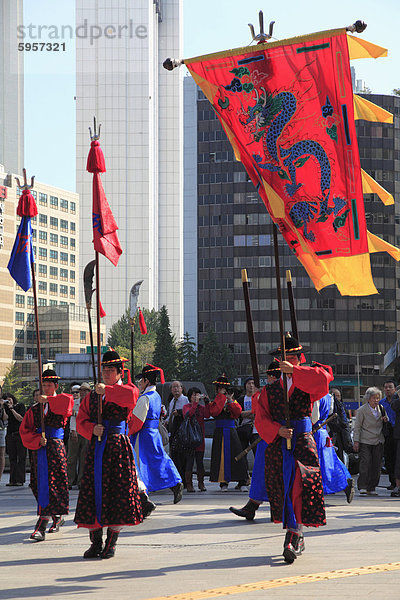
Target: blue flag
[(22, 255)]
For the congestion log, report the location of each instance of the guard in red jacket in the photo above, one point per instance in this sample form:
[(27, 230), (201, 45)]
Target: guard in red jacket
[(226, 444), (49, 479), (293, 477), (109, 494)]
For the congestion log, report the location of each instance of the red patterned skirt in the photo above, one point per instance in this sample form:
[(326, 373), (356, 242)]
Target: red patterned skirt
[(58, 478), (120, 494), (307, 493)]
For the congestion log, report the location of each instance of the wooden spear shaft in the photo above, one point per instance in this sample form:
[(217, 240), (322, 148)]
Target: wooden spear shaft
[(250, 330), (282, 331), (295, 331), (99, 397), (35, 306)]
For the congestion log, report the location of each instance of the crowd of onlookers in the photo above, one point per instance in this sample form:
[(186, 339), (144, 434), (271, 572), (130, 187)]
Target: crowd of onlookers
[(367, 443)]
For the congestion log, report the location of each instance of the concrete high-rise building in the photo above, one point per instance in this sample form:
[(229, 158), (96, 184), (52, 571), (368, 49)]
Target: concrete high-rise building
[(352, 334), (121, 80), (12, 87)]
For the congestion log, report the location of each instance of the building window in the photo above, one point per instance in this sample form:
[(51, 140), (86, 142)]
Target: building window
[(72, 259), (42, 236), (18, 353), (43, 253), (53, 302), (42, 286), (63, 290), (63, 225), (53, 239), (63, 258), (72, 227), (43, 220), (19, 300), (19, 317), (72, 292), (55, 335), (30, 301), (26, 369), (19, 335), (53, 272), (64, 205), (64, 274), (42, 302), (83, 337), (34, 234), (30, 318), (53, 288), (53, 255), (72, 207), (42, 199), (42, 269), (63, 241), (72, 244), (72, 275), (53, 223), (53, 202)]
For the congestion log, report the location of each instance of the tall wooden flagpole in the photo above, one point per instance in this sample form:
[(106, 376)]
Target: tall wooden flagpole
[(281, 330), (250, 330), (25, 186)]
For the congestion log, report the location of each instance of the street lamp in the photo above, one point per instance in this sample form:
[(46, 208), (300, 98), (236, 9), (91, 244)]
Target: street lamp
[(357, 355)]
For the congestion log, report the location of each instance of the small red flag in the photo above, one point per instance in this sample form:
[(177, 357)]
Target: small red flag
[(142, 323), (105, 238), (102, 311)]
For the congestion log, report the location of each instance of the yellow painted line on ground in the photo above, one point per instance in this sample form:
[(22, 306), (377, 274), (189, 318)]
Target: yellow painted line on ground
[(284, 581)]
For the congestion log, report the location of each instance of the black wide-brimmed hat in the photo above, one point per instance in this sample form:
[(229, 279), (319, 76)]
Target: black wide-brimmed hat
[(113, 359), (221, 381), (273, 369), (292, 346), (50, 375), (151, 369)]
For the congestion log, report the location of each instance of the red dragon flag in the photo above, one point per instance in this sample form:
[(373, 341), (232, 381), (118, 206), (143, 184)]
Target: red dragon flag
[(105, 237), (288, 110)]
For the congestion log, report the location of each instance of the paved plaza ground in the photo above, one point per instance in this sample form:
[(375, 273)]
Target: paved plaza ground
[(197, 549)]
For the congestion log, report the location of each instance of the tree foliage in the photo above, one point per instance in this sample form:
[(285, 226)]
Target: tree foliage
[(11, 383), (187, 359), (396, 91), (165, 351), (215, 358)]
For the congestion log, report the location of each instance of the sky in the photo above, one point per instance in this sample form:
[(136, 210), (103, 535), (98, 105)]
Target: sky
[(208, 26)]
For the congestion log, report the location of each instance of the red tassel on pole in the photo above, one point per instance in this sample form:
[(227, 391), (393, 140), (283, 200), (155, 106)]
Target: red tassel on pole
[(27, 205), (95, 161), (142, 323), (102, 311)]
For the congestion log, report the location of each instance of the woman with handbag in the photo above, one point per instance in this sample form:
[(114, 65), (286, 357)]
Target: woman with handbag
[(197, 411)]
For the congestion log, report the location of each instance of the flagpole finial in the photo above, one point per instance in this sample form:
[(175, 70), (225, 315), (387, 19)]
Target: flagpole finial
[(357, 27), (262, 36), (171, 63), (25, 185), (96, 135)]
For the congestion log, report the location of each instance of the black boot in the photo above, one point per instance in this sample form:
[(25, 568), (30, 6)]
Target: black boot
[(96, 537), (248, 511), (200, 480), (111, 542), (293, 546), (349, 490), (147, 505), (57, 522), (189, 482), (177, 491), (39, 535)]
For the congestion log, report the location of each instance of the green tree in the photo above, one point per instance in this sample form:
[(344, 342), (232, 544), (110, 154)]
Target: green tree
[(215, 358), (11, 382), (165, 351), (396, 91), (187, 359), (143, 345)]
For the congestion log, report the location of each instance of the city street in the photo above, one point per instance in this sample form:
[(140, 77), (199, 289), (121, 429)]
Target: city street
[(197, 550)]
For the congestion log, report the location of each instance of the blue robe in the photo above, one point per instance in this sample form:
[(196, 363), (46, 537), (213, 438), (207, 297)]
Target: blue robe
[(333, 471), (257, 488), (155, 468)]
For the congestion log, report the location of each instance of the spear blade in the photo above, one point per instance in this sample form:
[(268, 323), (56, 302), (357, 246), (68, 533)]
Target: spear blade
[(133, 298), (88, 275)]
